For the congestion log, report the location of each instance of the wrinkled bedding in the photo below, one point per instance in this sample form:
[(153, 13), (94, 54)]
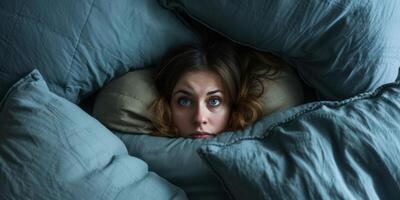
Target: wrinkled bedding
[(328, 149), (54, 54), (46, 152)]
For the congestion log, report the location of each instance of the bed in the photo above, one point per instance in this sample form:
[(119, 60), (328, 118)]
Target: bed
[(56, 55)]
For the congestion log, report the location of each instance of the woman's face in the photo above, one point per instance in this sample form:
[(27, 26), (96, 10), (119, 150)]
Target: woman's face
[(199, 106)]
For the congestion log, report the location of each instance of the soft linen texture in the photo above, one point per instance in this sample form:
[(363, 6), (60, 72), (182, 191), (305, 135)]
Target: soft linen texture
[(341, 48), (51, 149), (176, 160), (78, 45), (123, 104), (326, 150)]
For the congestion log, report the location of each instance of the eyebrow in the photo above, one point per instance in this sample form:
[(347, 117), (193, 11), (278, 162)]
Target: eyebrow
[(184, 92), (213, 92), (190, 94)]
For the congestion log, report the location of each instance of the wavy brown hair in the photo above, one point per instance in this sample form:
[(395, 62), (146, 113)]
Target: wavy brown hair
[(241, 70)]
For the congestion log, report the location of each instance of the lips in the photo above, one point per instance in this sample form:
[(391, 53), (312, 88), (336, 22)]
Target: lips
[(201, 135)]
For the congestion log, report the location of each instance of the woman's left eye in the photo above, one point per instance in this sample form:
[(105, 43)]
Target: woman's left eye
[(215, 102)]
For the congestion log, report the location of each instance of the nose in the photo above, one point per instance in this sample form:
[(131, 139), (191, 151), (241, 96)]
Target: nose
[(200, 115)]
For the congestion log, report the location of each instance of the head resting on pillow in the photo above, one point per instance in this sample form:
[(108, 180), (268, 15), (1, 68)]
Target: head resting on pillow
[(205, 90)]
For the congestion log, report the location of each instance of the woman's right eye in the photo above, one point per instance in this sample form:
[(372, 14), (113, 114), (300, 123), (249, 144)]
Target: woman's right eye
[(184, 101)]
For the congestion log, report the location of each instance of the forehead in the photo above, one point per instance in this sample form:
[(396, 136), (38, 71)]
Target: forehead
[(199, 80)]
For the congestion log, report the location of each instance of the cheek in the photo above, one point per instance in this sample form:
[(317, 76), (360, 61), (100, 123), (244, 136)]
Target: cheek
[(179, 116), (221, 118)]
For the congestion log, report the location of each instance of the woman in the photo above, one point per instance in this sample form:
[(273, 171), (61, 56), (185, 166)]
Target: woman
[(208, 90)]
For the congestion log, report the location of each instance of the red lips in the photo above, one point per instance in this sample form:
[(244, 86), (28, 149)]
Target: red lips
[(200, 135)]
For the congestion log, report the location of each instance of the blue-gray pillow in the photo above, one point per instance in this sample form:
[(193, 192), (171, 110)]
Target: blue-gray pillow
[(51, 149), (176, 160), (347, 149), (340, 48), (79, 45)]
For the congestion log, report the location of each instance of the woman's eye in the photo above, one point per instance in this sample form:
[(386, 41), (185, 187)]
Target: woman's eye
[(184, 101), (215, 102)]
